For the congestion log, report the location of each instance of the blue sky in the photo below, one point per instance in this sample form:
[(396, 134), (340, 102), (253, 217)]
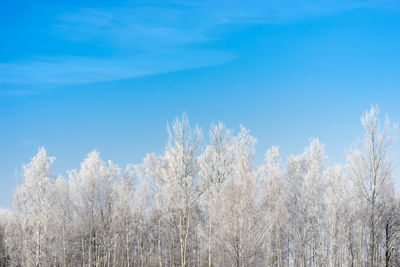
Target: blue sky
[(108, 75)]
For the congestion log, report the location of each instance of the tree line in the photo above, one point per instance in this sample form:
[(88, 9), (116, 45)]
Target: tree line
[(205, 204)]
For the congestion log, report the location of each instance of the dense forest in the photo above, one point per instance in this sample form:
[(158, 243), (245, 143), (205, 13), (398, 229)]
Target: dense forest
[(203, 203)]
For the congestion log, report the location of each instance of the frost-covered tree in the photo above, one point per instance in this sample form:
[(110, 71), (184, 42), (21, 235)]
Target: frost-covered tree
[(182, 183), (315, 185), (275, 213), (151, 173), (62, 231), (306, 186), (371, 167), (216, 166), (94, 195), (4, 254), (239, 232), (333, 230), (32, 207), (388, 235), (122, 219)]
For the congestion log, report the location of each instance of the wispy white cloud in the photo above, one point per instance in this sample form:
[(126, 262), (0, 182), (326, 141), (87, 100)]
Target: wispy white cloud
[(64, 70), (148, 27)]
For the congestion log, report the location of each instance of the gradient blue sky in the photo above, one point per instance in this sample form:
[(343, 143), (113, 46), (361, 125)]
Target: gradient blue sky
[(80, 75)]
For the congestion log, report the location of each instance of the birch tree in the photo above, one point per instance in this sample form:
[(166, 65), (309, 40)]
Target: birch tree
[(4, 254), (151, 172), (305, 174), (275, 205), (122, 221), (335, 205), (62, 213), (181, 176), (239, 229), (94, 197), (216, 165), (32, 206), (370, 165)]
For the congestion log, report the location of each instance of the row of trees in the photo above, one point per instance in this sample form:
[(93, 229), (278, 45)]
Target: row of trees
[(206, 205)]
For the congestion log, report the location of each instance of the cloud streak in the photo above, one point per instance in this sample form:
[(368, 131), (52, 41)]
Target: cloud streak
[(70, 70)]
